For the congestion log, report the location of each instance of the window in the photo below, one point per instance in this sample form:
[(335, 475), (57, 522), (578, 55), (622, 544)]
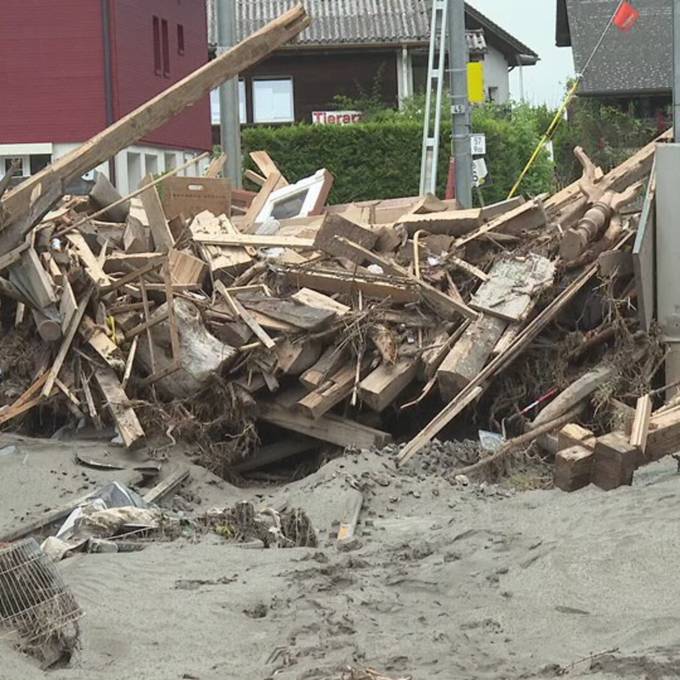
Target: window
[(21, 171), (39, 161), (157, 45), (273, 100), (493, 94), (180, 39), (165, 36)]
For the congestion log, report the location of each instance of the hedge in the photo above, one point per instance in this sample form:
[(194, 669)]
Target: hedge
[(381, 159)]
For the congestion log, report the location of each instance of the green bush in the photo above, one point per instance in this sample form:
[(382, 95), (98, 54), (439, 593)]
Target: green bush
[(381, 158)]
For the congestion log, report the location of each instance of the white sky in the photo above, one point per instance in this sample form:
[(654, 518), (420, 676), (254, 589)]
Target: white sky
[(533, 22)]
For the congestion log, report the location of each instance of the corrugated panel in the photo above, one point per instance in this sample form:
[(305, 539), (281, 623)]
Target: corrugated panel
[(338, 22)]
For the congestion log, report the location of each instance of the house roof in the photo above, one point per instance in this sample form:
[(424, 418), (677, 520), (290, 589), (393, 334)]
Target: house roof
[(372, 22), (637, 62)]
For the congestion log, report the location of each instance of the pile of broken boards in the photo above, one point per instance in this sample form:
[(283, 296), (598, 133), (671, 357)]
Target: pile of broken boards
[(317, 320)]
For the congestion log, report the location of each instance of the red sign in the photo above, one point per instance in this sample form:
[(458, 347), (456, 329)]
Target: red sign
[(626, 16), (336, 117)]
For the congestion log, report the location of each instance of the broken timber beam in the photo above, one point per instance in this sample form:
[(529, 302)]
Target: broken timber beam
[(329, 428), (21, 208)]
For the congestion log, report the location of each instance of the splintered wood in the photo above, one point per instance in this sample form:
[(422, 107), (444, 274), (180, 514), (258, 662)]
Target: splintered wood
[(200, 300)]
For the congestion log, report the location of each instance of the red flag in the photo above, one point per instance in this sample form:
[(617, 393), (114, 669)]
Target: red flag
[(626, 16)]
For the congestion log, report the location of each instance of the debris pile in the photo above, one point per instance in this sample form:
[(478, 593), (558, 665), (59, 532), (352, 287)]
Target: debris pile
[(232, 318)]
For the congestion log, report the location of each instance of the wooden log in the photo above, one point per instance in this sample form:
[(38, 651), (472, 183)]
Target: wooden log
[(31, 280), (614, 461), (93, 267), (246, 316), (127, 423), (329, 428), (469, 355), (576, 392), (573, 467), (103, 194), (381, 387), (33, 198)]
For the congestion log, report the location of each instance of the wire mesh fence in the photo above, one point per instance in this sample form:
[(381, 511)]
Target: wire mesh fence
[(34, 601)]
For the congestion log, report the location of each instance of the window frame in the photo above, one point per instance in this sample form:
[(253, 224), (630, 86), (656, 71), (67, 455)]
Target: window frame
[(268, 79), (157, 58), (181, 46), (165, 45)]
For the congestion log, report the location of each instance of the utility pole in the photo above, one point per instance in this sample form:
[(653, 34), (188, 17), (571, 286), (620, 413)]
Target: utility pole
[(676, 70), (230, 124), (460, 107)]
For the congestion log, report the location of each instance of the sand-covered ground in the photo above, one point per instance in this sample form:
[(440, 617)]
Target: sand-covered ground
[(447, 581)]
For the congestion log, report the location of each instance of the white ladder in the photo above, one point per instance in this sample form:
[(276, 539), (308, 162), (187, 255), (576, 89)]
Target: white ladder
[(435, 83)]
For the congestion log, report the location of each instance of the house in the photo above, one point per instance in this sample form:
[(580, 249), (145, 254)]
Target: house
[(73, 67), (356, 47), (629, 69)]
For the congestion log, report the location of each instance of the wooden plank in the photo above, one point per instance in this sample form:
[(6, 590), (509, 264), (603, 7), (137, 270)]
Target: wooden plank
[(289, 311), (329, 362), (245, 316), (216, 166), (469, 355), (30, 278), (255, 241), (340, 226), (336, 388), (185, 268), (329, 428), (253, 177), (337, 281), (444, 305), (435, 426), (640, 430), (451, 222), (381, 387), (167, 486), (528, 216), (163, 239), (100, 342), (259, 202), (93, 267), (35, 195), (511, 286), (125, 418), (644, 257), (267, 166), (312, 298), (230, 260), (66, 344)]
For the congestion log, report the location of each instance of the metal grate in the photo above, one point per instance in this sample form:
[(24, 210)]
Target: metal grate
[(34, 601)]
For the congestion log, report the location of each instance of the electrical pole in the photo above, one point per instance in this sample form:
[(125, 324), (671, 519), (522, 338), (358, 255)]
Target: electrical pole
[(460, 107), (230, 124)]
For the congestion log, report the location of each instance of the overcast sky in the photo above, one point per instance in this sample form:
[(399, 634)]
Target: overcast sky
[(533, 22)]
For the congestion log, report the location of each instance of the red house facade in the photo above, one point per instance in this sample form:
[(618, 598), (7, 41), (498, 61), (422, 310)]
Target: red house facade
[(69, 69)]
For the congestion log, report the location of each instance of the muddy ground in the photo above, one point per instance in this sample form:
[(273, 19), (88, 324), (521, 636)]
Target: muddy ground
[(446, 581)]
